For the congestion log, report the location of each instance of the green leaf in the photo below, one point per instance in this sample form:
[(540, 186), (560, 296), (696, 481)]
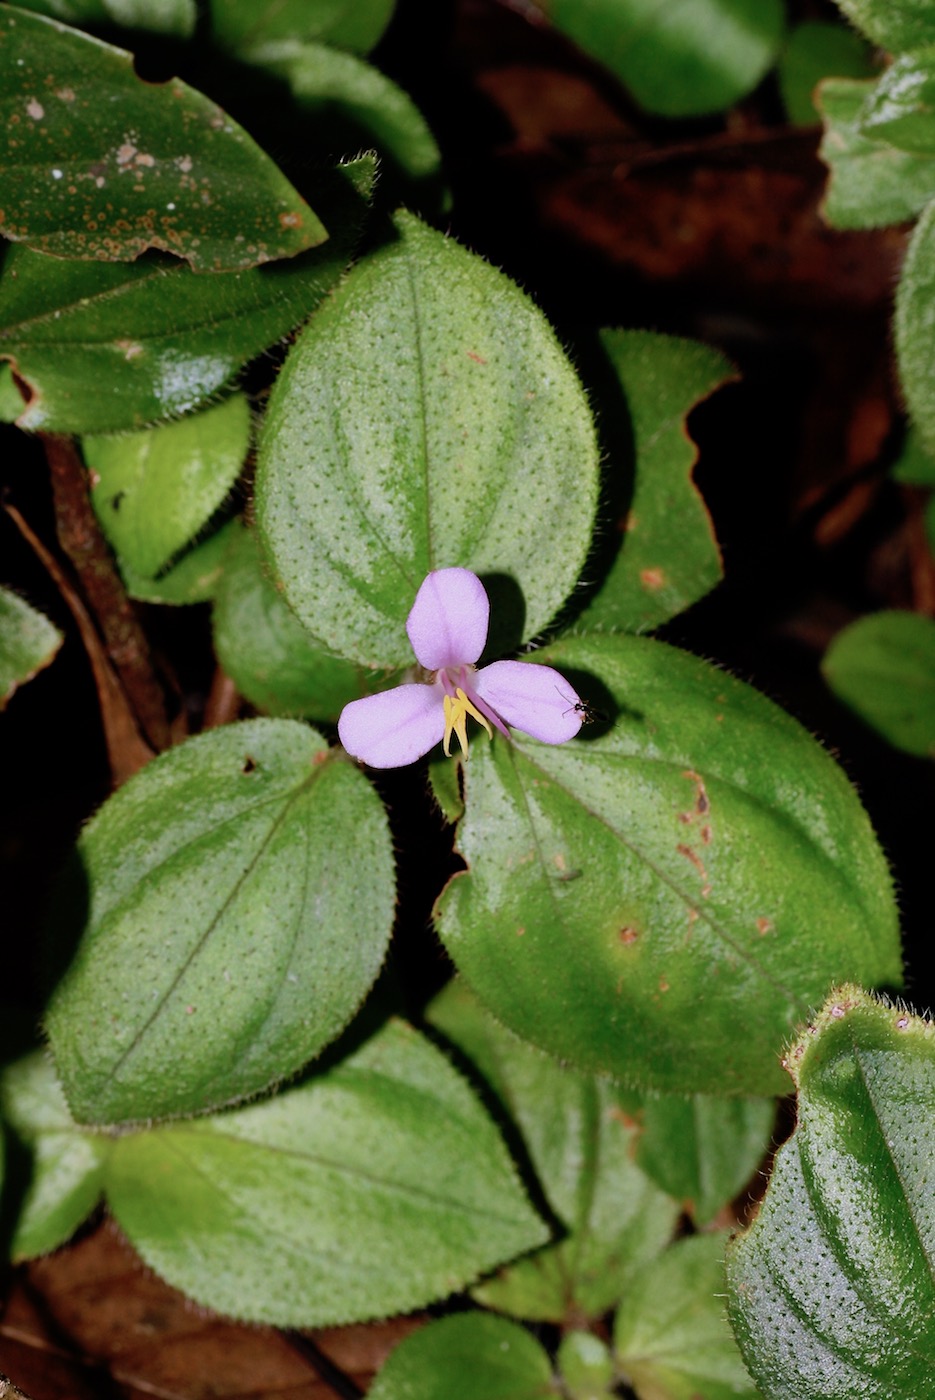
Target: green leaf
[(580, 1134), (427, 417), (660, 903), (347, 24), (228, 938), (162, 338), (813, 51), (356, 104), (153, 491), (678, 60), (914, 466), (667, 557), (704, 1150), (67, 1161), (377, 1187), (900, 109), (267, 652), (871, 182), (100, 164), (893, 24), (194, 578), (586, 1366), (174, 17), (471, 1355), (671, 1335), (883, 667), (915, 328), (28, 641), (831, 1288)]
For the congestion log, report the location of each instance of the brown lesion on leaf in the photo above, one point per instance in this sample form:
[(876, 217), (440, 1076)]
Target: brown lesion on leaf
[(652, 579), (763, 925), (628, 934), (698, 863)]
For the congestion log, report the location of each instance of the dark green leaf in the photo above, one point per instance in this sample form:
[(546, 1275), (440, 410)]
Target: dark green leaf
[(914, 466), (153, 491), (704, 1150), (671, 1335), (162, 338), (816, 50), (664, 901), (347, 24), (668, 557), (871, 183), (580, 1134), (679, 60), (267, 652), (427, 417), (28, 641), (471, 1355), (67, 1161), (900, 109), (175, 17), (893, 24), (99, 164), (228, 936), (883, 667), (356, 104), (831, 1289), (377, 1187)]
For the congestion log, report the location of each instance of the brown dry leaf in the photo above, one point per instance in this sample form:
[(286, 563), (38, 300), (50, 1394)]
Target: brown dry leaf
[(90, 1322)]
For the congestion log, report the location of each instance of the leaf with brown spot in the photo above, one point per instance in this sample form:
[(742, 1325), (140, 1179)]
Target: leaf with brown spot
[(97, 164)]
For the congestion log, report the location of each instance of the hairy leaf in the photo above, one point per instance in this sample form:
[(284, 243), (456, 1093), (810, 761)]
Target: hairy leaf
[(831, 1288), (662, 902), (427, 417), (223, 942), (377, 1187), (883, 667)]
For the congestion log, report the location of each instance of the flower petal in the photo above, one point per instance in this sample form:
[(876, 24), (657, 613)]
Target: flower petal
[(535, 699), (395, 727), (448, 622)]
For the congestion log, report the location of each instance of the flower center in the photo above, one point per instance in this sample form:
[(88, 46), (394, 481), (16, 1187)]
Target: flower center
[(457, 709)]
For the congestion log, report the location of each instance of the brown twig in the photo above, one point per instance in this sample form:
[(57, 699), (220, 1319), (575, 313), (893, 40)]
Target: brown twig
[(127, 751), (103, 590)]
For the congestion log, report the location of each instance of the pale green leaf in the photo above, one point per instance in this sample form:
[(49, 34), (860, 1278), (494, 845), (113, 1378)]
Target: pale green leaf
[(427, 417), (580, 1135), (831, 1288), (658, 902), (471, 1355), (671, 1335), (378, 1187), (28, 641), (67, 1161), (871, 183), (153, 491), (223, 941)]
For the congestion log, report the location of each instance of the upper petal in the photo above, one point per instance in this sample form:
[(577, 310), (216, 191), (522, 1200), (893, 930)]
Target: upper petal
[(535, 699), (448, 622), (394, 727)]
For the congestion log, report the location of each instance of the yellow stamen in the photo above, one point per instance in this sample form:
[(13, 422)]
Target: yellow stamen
[(456, 713)]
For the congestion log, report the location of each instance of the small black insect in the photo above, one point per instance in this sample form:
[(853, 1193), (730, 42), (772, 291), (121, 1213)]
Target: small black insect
[(589, 715)]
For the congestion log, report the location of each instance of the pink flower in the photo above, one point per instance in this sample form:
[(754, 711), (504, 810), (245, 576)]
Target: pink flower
[(448, 629)]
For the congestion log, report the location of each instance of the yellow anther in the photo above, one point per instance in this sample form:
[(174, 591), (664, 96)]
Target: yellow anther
[(456, 713)]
